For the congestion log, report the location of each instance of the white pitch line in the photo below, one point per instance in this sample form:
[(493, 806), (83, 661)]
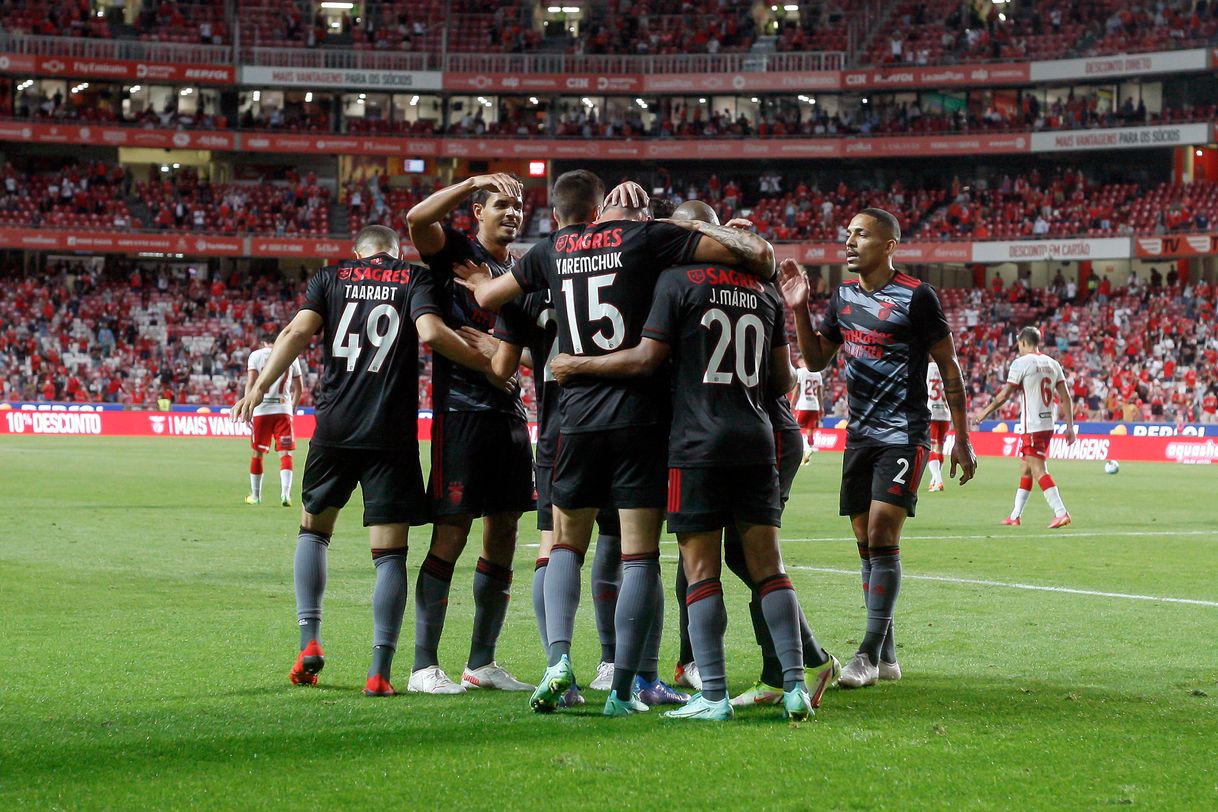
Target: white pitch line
[(1012, 536), (1031, 587), (1016, 535)]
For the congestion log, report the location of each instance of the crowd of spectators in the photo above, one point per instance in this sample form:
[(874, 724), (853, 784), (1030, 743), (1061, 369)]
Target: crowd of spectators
[(136, 333), (929, 32), (128, 333), (791, 207), (101, 196), (914, 32), (666, 117)]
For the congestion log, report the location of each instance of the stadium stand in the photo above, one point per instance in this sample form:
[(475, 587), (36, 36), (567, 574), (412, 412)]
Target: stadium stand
[(131, 333)]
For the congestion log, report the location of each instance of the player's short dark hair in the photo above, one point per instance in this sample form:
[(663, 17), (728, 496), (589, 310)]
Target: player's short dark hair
[(888, 219), (1030, 336), (269, 336), (376, 240), (577, 195), (662, 208), (480, 196)]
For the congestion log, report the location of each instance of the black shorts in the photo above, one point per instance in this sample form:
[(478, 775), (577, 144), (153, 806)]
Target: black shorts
[(481, 463), (881, 473), (392, 483), (703, 499), (606, 520), (619, 468), (789, 445)]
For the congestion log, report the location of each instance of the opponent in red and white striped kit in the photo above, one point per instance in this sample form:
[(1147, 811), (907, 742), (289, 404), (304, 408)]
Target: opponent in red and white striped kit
[(1037, 378), (273, 422)]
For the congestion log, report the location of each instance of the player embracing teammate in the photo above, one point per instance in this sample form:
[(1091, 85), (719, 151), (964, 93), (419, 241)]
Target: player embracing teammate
[(601, 277), (371, 312)]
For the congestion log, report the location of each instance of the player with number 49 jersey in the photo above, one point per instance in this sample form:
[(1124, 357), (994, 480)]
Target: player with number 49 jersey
[(371, 312), (369, 393)]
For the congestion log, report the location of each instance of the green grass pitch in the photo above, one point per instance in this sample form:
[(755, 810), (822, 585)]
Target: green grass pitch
[(148, 625)]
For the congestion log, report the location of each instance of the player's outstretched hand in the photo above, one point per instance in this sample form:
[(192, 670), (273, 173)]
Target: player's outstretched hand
[(742, 223), (964, 457), (499, 183), (563, 367), (628, 195), (243, 410), (479, 340), (470, 274), (794, 284)]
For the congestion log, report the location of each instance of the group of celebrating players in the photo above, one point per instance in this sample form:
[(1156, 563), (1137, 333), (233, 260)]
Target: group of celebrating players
[(660, 358)]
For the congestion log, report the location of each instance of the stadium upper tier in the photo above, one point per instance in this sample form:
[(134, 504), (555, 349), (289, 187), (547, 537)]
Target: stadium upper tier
[(133, 333), (633, 45)]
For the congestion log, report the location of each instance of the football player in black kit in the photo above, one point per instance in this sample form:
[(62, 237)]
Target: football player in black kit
[(601, 277), (822, 669), (371, 311), (885, 322), (481, 457), (725, 334), (534, 326)]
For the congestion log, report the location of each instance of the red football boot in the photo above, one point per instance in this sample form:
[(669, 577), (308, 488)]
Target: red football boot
[(378, 686), (308, 664)]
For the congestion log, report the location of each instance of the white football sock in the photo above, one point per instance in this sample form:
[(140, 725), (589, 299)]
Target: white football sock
[(936, 471), (1021, 499), (1055, 501), (256, 485), (285, 482)]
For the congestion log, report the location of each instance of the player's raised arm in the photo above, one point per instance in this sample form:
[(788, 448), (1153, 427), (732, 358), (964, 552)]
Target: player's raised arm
[(292, 341), (637, 362), (424, 219), (726, 245), (943, 352), (817, 349), (436, 334)]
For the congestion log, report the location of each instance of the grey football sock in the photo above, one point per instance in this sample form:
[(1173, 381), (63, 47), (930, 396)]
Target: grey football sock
[(888, 651), (781, 610), (882, 593), (686, 655), (606, 580), (539, 600), (649, 665), (309, 572), (430, 607), (707, 625), (636, 605), (492, 592), (388, 606), (865, 567), (562, 599)]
